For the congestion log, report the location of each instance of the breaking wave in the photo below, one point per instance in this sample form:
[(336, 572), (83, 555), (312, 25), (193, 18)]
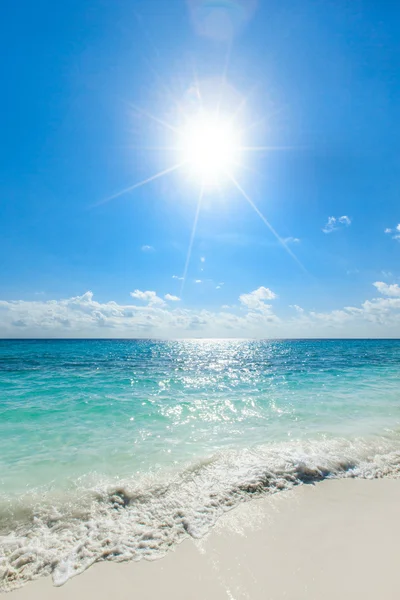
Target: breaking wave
[(143, 517)]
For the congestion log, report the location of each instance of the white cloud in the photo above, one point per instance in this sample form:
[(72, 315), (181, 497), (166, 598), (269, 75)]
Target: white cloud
[(297, 308), (385, 289), (83, 316), (177, 277), (171, 298), (291, 240), (396, 231), (198, 281), (147, 248), (255, 300), (335, 223), (149, 297), (379, 317), (202, 259)]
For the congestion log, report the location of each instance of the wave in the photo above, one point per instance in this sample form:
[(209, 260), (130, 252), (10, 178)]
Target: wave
[(145, 516)]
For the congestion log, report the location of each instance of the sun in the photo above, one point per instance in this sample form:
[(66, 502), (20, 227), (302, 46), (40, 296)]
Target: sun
[(208, 139), (210, 147)]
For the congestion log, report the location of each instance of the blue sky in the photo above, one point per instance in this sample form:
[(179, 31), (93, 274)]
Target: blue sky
[(319, 80)]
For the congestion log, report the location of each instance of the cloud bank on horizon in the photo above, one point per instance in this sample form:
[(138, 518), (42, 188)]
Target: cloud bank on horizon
[(253, 317)]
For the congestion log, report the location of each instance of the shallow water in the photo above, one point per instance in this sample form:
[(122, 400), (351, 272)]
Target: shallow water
[(120, 449)]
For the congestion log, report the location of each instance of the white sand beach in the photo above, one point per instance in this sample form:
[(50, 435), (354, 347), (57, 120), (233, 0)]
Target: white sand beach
[(335, 539)]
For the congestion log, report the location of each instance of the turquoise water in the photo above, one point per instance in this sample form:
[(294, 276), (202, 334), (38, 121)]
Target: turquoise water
[(119, 449)]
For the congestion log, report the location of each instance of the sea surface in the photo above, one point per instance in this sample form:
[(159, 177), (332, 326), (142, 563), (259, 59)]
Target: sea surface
[(117, 450)]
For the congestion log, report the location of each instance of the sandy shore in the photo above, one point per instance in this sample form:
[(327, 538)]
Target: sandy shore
[(337, 539)]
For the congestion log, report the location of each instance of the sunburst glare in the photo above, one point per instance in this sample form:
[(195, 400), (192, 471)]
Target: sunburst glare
[(208, 139), (210, 146)]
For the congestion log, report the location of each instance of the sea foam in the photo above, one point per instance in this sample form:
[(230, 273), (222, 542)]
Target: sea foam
[(143, 517)]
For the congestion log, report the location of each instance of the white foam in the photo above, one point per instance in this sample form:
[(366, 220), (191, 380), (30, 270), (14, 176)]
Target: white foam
[(144, 518)]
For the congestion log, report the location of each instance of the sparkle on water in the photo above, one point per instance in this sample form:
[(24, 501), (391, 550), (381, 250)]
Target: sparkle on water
[(119, 449)]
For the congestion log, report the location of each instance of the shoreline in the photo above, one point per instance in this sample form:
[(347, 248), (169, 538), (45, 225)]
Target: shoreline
[(337, 538)]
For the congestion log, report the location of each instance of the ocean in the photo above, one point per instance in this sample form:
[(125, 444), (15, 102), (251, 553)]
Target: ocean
[(117, 450)]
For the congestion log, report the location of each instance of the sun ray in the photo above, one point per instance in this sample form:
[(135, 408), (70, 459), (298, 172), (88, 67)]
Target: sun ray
[(246, 168), (197, 86), (266, 222), (243, 103), (266, 148), (252, 125), (163, 85), (139, 184), (151, 148), (261, 121), (223, 77), (210, 145), (192, 236), (152, 117)]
